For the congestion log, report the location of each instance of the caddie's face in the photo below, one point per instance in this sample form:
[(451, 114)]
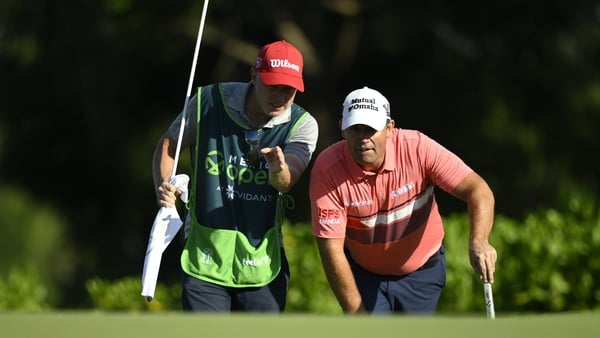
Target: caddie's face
[(273, 100), (367, 145)]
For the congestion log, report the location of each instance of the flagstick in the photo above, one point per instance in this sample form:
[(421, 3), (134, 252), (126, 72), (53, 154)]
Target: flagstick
[(189, 88)]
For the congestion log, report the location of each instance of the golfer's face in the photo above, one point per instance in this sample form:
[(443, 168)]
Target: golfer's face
[(367, 145)]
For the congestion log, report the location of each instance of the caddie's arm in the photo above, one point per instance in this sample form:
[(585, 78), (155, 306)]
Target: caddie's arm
[(284, 169), (162, 167), (474, 190)]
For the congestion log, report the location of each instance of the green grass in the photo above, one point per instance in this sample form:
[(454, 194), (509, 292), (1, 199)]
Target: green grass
[(172, 324)]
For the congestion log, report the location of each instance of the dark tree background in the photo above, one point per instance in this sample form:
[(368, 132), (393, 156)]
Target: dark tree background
[(87, 87)]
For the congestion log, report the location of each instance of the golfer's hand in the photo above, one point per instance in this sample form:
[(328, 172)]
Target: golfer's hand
[(166, 194), (483, 259)]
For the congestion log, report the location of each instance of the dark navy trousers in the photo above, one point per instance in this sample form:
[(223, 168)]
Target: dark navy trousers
[(417, 293)]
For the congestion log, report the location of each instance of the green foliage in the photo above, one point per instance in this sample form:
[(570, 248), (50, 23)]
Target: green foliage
[(546, 263), (23, 290), (124, 294), (33, 245)]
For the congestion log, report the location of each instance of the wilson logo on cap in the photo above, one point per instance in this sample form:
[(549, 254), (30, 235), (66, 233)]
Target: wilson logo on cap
[(277, 63), (280, 63)]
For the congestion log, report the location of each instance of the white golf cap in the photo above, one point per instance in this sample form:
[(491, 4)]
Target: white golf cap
[(365, 106)]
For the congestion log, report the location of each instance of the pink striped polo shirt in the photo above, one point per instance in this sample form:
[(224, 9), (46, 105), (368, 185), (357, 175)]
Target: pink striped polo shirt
[(390, 219)]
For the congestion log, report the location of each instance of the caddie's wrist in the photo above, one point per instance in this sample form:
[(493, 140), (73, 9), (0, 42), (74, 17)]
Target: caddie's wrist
[(159, 186), (277, 169)]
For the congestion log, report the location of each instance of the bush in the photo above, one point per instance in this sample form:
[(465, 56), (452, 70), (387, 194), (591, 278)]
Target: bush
[(23, 290), (546, 263), (125, 294), (35, 255)]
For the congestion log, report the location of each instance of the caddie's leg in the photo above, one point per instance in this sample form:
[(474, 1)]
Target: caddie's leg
[(269, 298), (198, 295)]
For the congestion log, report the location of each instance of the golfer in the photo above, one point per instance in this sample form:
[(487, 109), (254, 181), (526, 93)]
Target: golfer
[(249, 145), (375, 216)]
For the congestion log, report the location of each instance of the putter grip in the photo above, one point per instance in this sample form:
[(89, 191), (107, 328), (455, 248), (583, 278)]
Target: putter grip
[(489, 300)]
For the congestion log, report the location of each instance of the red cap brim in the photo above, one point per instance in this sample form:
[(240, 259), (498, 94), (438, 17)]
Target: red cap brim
[(281, 79)]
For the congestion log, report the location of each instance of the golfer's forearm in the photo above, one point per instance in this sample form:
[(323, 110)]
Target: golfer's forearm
[(346, 293), (350, 302), (481, 215), (339, 274), (480, 204), (481, 226), (342, 283)]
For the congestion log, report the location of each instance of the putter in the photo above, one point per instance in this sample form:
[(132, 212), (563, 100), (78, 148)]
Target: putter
[(489, 300)]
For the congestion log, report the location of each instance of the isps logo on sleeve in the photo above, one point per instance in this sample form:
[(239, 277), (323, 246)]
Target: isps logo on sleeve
[(329, 216)]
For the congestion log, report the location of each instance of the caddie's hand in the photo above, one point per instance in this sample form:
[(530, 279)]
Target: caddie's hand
[(483, 259), (166, 194), (275, 158)]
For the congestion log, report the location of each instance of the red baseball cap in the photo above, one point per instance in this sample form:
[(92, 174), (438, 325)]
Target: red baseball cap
[(280, 63)]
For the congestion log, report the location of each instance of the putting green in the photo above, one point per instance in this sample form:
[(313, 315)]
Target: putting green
[(131, 325)]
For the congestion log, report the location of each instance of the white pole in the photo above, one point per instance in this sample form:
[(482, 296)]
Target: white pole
[(189, 88)]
